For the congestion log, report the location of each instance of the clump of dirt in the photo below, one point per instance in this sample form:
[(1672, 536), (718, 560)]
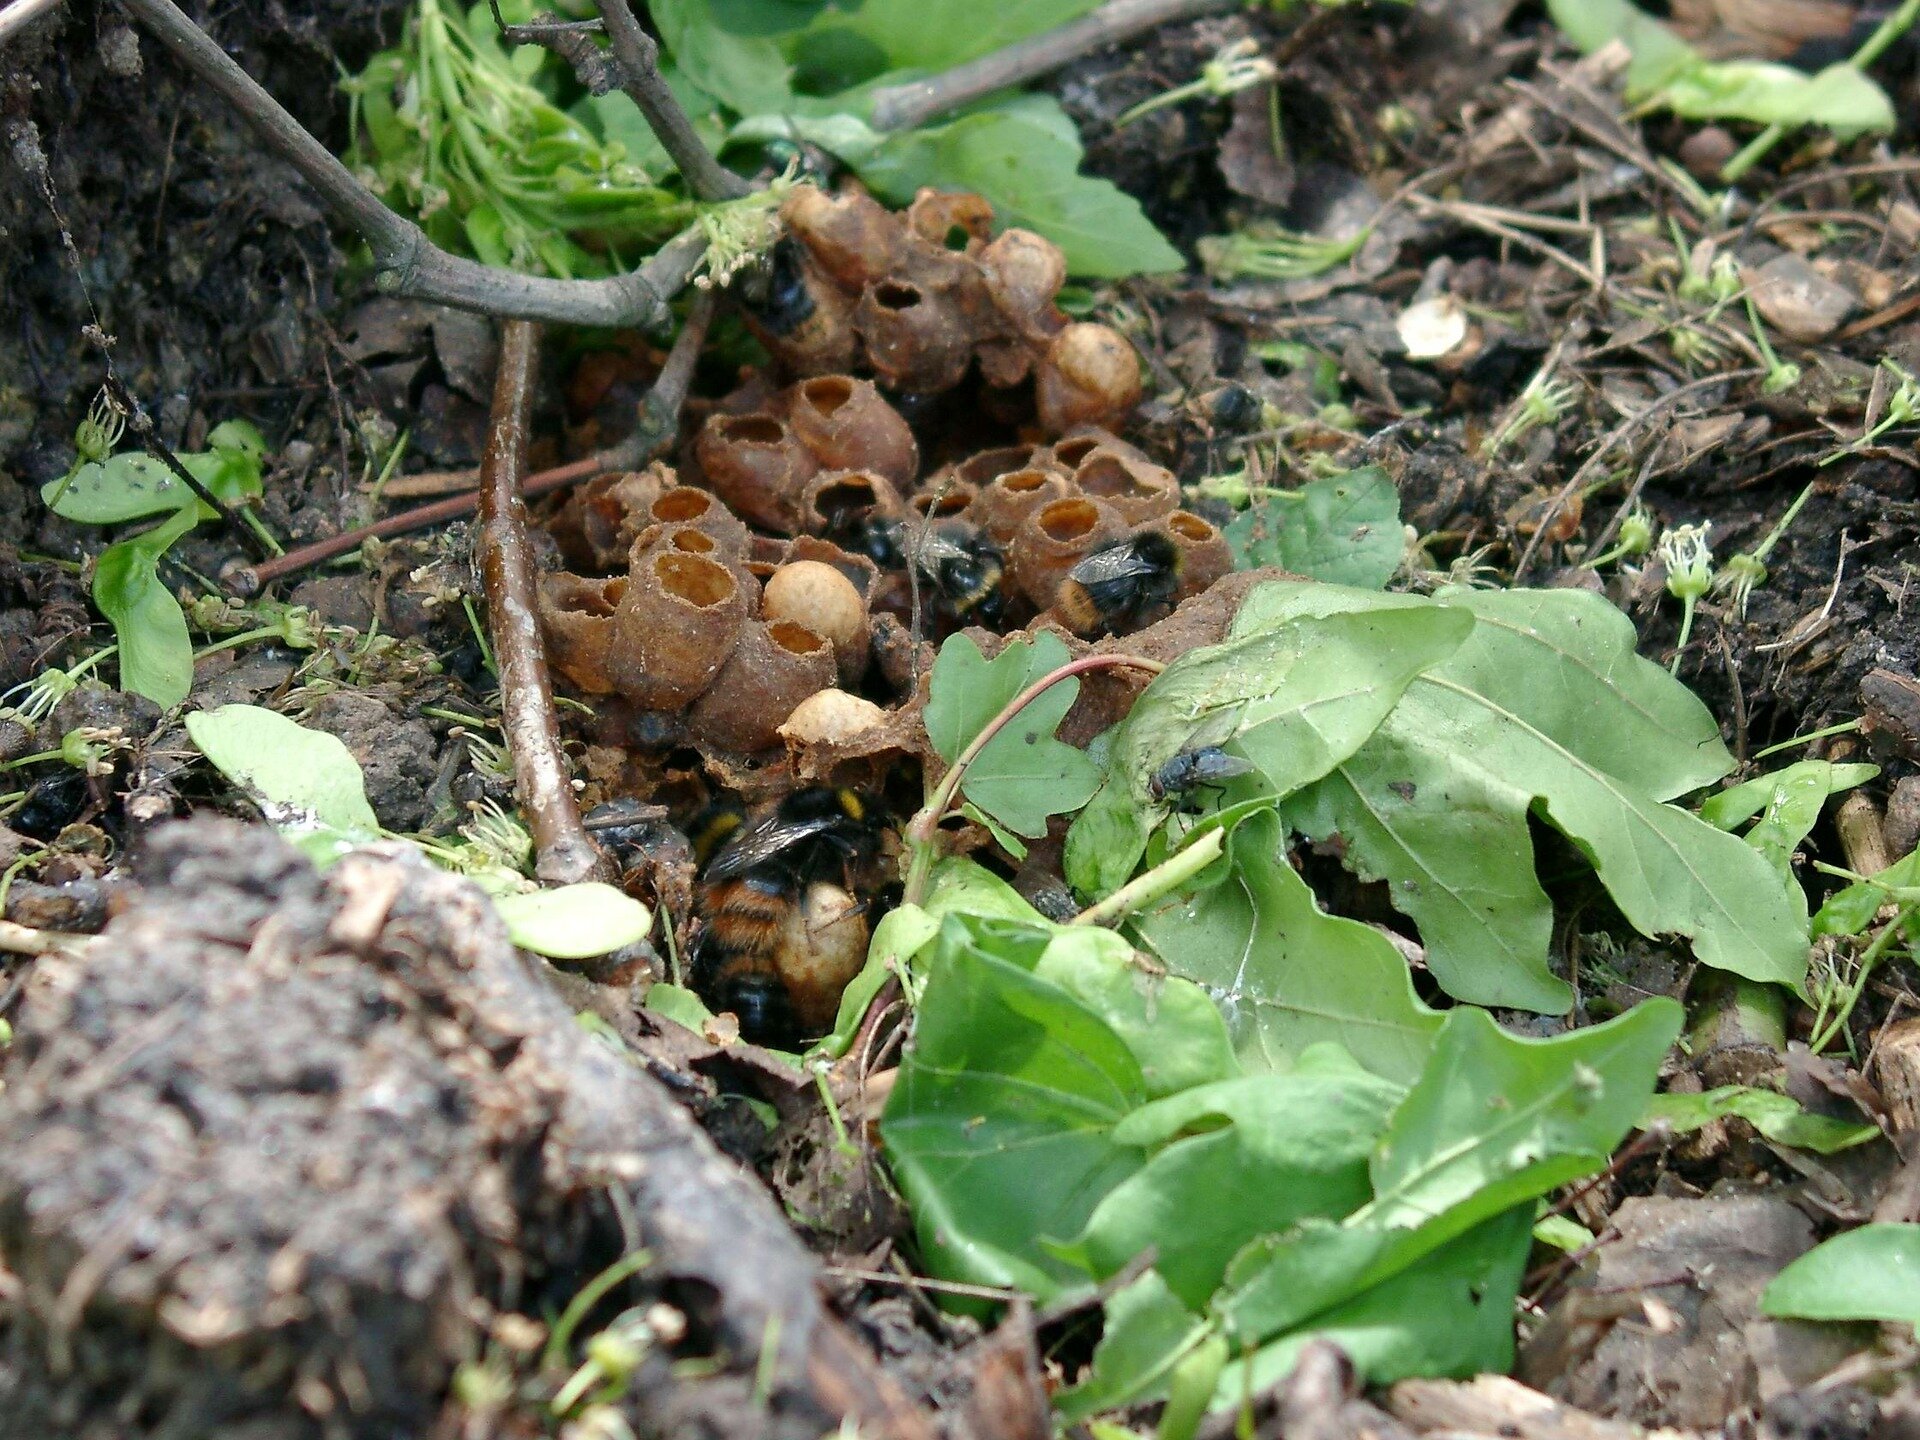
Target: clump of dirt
[(286, 1149)]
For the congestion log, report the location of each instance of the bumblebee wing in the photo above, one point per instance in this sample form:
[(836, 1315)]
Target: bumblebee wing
[(764, 841), (1112, 566)]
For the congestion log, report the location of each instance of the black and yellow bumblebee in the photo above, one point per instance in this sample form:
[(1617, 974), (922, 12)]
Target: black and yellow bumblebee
[(1120, 585), (958, 562), (1204, 768), (780, 938)]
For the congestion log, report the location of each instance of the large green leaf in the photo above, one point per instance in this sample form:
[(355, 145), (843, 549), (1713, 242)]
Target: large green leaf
[(133, 485), (306, 782), (1493, 1121), (573, 922), (1344, 529), (1024, 157), (1294, 699), (1023, 774), (156, 652), (1285, 975), (937, 34), (1148, 1331), (1000, 1127), (1872, 1273), (1239, 1158), (1545, 710), (1452, 1314), (746, 72)]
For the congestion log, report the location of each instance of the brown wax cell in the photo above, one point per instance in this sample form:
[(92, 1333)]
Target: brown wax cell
[(838, 502), (1089, 375), (1204, 554), (1008, 499), (950, 219), (852, 236), (821, 597), (807, 320), (1137, 489), (770, 671), (916, 337), (847, 425), (756, 465), (576, 618), (595, 525), (677, 622), (1055, 538), (1024, 273), (689, 505)]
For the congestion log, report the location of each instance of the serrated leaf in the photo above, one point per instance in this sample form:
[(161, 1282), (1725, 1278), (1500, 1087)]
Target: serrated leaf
[(1545, 710), (1023, 156), (1493, 1121), (574, 922), (1776, 1116), (1023, 774), (1294, 699), (1872, 1273), (306, 782), (1344, 529), (156, 651), (1285, 975)]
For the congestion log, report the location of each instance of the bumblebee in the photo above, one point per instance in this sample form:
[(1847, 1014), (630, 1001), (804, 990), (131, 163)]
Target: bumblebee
[(781, 940), (1204, 768), (958, 561), (781, 299), (1120, 584)]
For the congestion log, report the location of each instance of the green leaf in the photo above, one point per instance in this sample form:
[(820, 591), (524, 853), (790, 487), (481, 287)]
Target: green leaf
[(1344, 529), (1666, 72), (1852, 910), (1791, 800), (1547, 710), (1000, 1125), (1452, 1314), (306, 782), (1872, 1273), (1147, 1333), (937, 34), (1776, 1116), (1493, 1121), (747, 73), (1295, 699), (1023, 774), (1024, 158), (678, 1004), (1235, 1159), (574, 922), (156, 652), (1286, 976)]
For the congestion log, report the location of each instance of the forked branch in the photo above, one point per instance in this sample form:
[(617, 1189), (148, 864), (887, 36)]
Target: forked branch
[(406, 262)]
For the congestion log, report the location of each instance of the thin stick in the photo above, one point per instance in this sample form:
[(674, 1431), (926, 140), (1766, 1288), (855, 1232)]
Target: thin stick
[(639, 57), (653, 432), (900, 107), (20, 14), (565, 853), (141, 424), (406, 263)]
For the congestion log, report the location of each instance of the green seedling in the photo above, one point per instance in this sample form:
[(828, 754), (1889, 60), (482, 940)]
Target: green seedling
[(1903, 408), (86, 748), (47, 689), (1738, 578), (1636, 538), (1240, 66), (1542, 403), (1782, 375), (1689, 564), (1265, 251)]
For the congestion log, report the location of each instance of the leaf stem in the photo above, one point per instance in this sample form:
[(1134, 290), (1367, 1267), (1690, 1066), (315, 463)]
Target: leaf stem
[(1170, 874), (923, 830)]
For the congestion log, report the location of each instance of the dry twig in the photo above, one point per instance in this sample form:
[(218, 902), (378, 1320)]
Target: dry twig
[(565, 853)]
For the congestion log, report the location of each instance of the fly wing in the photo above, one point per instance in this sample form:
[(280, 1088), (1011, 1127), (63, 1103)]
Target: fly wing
[(764, 841)]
